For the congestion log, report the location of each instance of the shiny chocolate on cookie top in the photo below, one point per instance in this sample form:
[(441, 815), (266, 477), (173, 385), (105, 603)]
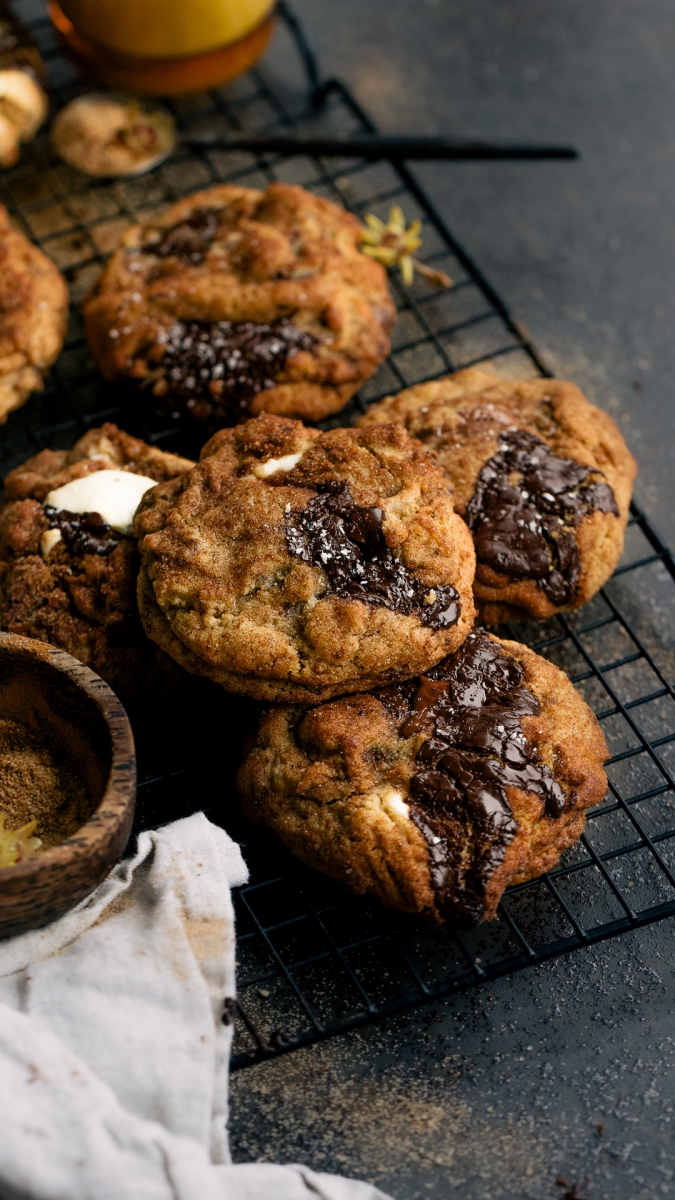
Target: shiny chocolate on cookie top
[(472, 704), (347, 542), (189, 240), (83, 533), (213, 371), (525, 509)]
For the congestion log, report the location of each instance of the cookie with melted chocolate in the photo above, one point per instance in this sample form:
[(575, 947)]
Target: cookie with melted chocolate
[(69, 578), (542, 477), (436, 794), (296, 565), (33, 315), (237, 301)]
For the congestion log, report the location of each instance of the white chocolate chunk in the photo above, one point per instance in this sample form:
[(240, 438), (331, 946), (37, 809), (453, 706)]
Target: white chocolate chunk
[(49, 539), (262, 470), (115, 495), (394, 801)]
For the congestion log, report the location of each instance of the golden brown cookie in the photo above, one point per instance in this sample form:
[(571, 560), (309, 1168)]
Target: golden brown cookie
[(68, 574), (295, 565), (436, 794), (33, 316), (236, 301), (542, 477)]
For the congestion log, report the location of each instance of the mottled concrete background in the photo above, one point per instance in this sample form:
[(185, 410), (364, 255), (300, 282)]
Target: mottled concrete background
[(584, 252), (564, 1071)]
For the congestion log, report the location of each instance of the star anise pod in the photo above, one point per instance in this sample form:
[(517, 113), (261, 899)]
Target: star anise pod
[(393, 245)]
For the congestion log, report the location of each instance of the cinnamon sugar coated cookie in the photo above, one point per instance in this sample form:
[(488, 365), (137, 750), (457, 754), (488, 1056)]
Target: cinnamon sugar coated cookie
[(33, 316), (294, 565), (236, 301), (436, 794), (542, 477), (68, 562)]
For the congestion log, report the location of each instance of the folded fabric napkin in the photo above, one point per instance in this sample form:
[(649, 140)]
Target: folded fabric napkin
[(113, 1050)]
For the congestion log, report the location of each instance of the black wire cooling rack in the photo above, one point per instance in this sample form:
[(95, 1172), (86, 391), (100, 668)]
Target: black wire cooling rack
[(313, 959)]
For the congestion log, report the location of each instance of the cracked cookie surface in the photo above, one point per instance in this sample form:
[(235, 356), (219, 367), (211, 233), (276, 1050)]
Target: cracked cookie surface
[(33, 316), (236, 301), (294, 564), (542, 477), (436, 794), (69, 578)]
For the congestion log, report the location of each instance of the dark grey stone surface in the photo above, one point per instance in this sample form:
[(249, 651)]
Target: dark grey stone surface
[(584, 252), (566, 1070)]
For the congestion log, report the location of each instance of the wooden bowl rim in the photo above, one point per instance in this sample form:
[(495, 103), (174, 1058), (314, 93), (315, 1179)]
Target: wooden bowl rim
[(120, 791)]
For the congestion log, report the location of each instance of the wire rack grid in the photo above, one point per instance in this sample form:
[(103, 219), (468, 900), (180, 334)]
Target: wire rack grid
[(313, 959)]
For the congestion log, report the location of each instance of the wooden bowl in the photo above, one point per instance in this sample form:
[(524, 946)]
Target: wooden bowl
[(70, 708)]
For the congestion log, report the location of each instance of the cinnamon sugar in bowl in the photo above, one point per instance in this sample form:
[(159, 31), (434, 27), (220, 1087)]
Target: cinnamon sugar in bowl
[(67, 782)]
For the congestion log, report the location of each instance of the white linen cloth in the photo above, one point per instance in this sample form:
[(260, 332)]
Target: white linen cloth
[(113, 1052)]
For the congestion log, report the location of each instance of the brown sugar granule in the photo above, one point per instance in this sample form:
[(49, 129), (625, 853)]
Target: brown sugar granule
[(36, 782)]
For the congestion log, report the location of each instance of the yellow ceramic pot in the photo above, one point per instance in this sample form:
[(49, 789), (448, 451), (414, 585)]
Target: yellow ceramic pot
[(164, 47)]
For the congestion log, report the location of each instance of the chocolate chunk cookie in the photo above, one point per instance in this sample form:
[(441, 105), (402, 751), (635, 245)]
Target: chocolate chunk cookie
[(542, 477), (33, 316), (237, 301), (68, 562), (436, 794), (295, 565)]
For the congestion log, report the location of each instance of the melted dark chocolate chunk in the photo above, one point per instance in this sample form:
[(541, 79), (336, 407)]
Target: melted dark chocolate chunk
[(474, 701), (189, 240), (213, 371), (347, 542), (83, 533), (525, 509)]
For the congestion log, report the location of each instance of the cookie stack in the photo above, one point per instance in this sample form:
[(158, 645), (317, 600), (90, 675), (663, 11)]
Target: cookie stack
[(336, 577)]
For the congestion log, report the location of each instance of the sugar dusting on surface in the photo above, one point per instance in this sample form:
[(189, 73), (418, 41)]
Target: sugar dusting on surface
[(491, 1095), (331, 1108)]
